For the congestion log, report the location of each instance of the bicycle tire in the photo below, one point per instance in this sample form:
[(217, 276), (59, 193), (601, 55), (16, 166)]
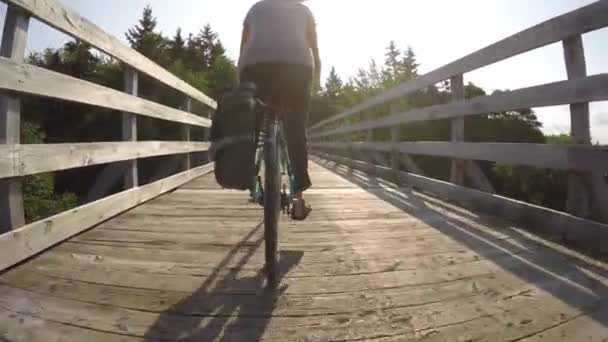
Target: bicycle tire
[(272, 201)]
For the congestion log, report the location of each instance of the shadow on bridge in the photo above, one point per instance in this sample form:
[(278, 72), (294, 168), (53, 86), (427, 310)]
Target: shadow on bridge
[(226, 307), (571, 279)]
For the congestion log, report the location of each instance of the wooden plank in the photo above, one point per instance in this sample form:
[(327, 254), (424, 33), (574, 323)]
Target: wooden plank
[(589, 89), (481, 278), (561, 157), (457, 130), (576, 67), (106, 180), (129, 129), (587, 193), (477, 177), (186, 135), (411, 165), (29, 79), (57, 15), (21, 326), (24, 160), (14, 41), (582, 20), (34, 238), (587, 234), (579, 196)]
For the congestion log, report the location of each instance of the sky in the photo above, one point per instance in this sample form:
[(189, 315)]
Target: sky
[(352, 32)]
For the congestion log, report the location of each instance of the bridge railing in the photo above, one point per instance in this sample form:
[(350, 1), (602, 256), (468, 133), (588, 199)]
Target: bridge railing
[(588, 165), (17, 160)]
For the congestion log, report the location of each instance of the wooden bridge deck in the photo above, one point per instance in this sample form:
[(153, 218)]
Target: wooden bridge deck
[(372, 263)]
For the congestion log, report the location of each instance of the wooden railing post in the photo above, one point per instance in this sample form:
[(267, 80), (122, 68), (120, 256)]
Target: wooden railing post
[(186, 135), (457, 130), (14, 40), (395, 163), (129, 128), (395, 155), (585, 191)]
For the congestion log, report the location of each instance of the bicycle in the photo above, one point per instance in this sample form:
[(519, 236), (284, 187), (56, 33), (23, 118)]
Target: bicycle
[(272, 192)]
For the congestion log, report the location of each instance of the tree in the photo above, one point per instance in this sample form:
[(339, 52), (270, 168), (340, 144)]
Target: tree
[(333, 85), (39, 198), (147, 25), (177, 45), (544, 187), (80, 62), (48, 117), (392, 59), (210, 47), (409, 65), (221, 75), (144, 38)]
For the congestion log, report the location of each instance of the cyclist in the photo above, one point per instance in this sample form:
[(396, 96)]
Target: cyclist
[(280, 54)]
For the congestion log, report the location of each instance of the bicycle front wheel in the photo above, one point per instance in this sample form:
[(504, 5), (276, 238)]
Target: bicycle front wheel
[(272, 201)]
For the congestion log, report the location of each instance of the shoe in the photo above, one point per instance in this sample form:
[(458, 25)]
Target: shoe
[(300, 210)]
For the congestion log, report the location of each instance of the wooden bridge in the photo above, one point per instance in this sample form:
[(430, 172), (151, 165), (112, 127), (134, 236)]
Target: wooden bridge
[(387, 255)]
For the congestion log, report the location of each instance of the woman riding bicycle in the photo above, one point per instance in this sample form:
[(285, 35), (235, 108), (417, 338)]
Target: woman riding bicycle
[(279, 53)]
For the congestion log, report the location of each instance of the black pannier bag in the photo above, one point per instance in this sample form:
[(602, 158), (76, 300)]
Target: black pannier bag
[(234, 139)]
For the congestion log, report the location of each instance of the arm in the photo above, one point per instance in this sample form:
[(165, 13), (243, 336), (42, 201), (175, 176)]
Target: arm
[(244, 37), (314, 46)]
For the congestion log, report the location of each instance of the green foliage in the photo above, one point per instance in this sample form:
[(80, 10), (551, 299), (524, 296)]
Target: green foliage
[(144, 38), (199, 60), (40, 200), (561, 139), (538, 186)]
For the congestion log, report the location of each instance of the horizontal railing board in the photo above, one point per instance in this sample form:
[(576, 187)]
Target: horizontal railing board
[(587, 234), (592, 88), (580, 21), (36, 237), (64, 19), (33, 80), (562, 157), (23, 160)]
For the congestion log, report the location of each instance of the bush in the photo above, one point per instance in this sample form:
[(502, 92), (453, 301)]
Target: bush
[(39, 198)]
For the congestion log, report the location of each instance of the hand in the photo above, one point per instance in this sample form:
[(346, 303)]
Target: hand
[(316, 85)]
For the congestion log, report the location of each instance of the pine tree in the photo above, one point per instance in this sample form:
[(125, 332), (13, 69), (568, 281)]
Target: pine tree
[(362, 80), (409, 65), (333, 85), (207, 39), (146, 26), (178, 45), (217, 50), (375, 75), (392, 59), (144, 38), (78, 60)]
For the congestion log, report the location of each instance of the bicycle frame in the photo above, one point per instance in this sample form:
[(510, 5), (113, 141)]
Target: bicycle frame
[(257, 191)]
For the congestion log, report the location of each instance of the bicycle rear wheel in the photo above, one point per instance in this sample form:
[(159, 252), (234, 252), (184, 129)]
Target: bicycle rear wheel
[(272, 201)]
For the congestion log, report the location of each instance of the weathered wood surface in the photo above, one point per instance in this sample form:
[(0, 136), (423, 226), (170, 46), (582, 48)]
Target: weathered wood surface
[(457, 173), (582, 20), (373, 262), (129, 129), (562, 157), (23, 160), (57, 15), (29, 79), (33, 238), (592, 88), (13, 46), (588, 234), (587, 193)]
